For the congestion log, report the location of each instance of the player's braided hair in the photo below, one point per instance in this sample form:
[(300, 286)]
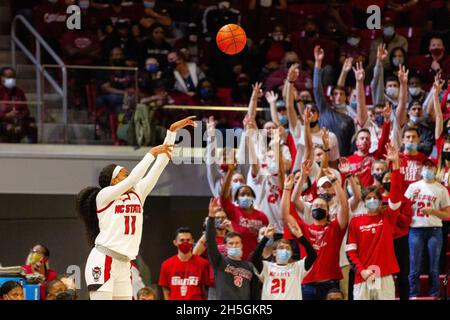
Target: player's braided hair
[(86, 203)]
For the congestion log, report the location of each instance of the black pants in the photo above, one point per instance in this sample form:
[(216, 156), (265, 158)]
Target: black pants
[(402, 254), (445, 230)]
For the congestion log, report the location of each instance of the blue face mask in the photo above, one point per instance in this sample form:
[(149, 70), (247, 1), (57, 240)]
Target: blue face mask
[(152, 68), (340, 106), (283, 255), (205, 93), (283, 119), (372, 204), (410, 146), (427, 174), (234, 252), (353, 104), (245, 202), (388, 31)]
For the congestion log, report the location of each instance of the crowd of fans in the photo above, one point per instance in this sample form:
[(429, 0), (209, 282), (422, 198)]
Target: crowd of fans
[(172, 43), (347, 196)]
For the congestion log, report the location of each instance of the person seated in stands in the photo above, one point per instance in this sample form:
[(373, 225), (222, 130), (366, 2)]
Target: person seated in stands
[(57, 290), (38, 262), (216, 16), (437, 61), (150, 12), (155, 45), (391, 39), (121, 37), (196, 46), (353, 48), (117, 10), (15, 121), (71, 287), (117, 90), (272, 49), (49, 20), (186, 76)]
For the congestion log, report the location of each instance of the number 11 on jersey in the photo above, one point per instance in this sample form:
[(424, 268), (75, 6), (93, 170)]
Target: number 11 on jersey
[(127, 224)]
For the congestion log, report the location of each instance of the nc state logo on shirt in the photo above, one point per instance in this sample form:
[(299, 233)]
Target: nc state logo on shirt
[(238, 281), (96, 273)]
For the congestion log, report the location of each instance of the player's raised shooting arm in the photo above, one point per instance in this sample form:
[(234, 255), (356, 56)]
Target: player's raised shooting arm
[(146, 185), (110, 193)]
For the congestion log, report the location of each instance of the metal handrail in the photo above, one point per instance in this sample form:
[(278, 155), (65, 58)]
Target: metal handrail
[(36, 59)]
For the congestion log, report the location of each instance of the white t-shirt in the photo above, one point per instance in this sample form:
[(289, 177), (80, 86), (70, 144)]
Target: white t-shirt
[(431, 195), (268, 199), (282, 282), (299, 138)]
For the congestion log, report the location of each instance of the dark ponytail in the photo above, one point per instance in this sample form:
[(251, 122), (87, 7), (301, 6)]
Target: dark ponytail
[(86, 204)]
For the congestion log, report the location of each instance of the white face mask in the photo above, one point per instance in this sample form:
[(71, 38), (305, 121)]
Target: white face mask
[(9, 83), (193, 38), (392, 92), (414, 91)]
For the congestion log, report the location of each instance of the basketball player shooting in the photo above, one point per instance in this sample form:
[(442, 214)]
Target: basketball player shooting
[(113, 215)]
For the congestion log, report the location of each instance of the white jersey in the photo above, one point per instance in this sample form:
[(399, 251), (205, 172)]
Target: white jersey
[(431, 195), (282, 282), (120, 208)]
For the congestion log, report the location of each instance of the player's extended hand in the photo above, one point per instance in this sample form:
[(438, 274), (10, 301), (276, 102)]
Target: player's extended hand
[(183, 123), (163, 148)]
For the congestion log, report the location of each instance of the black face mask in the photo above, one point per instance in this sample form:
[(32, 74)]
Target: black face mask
[(289, 64), (379, 119), (378, 176), (446, 155), (319, 213), (310, 33), (313, 124), (118, 62), (387, 186), (66, 295), (172, 65)]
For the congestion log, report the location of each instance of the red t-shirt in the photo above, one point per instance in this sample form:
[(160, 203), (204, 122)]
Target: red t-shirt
[(411, 167), (246, 224), (50, 275), (326, 240), (185, 279), (371, 237), (362, 165), (404, 218), (370, 243)]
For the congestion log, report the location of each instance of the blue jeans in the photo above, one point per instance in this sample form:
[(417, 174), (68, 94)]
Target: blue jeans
[(421, 239), (319, 290)]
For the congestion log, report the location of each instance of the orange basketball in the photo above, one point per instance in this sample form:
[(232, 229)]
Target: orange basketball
[(231, 39)]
